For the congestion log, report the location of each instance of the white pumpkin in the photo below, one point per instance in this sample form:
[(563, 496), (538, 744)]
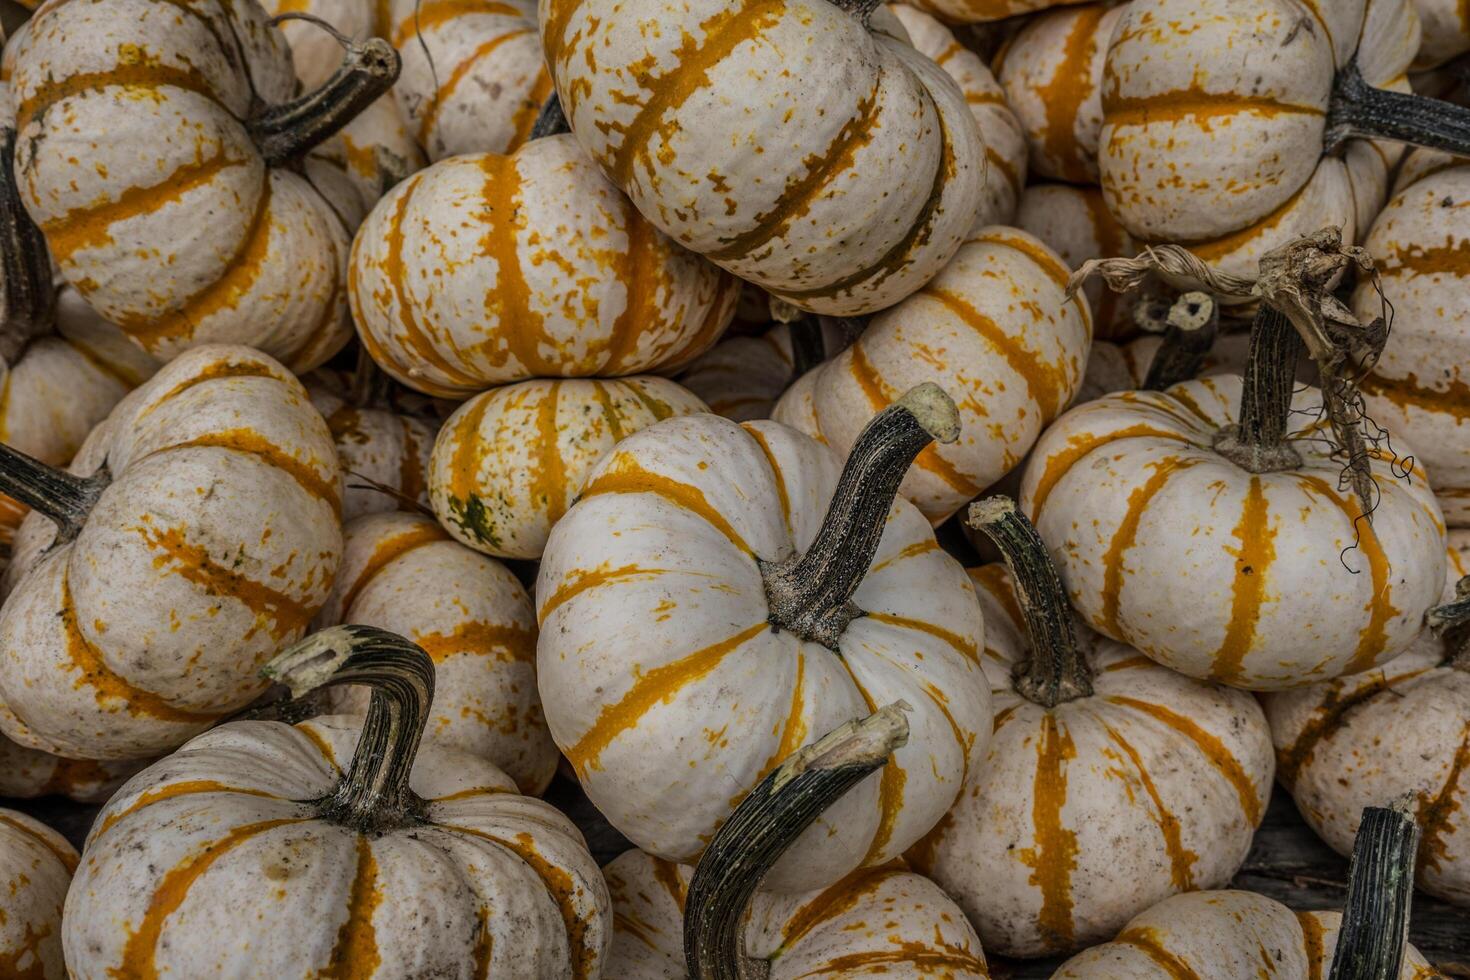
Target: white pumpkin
[(510, 462), (389, 448), (36, 865), (983, 11), (1074, 222), (339, 846), (485, 269), (27, 773), (995, 330), (198, 532), (829, 163), (402, 573)]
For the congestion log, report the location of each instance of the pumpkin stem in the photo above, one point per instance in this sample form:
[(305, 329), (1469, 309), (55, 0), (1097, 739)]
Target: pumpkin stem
[(764, 826), (1358, 110), (1451, 622), (1375, 921), (810, 594), (285, 131), (1190, 325), (62, 497), (1055, 671), (373, 795), (807, 346), (1258, 442), (862, 9), (551, 120), (29, 293)]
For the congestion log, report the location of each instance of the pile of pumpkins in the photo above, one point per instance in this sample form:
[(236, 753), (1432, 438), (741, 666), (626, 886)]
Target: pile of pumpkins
[(590, 386)]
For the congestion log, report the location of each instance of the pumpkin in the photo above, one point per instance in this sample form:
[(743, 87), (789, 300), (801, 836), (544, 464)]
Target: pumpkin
[(1240, 933), (1197, 525), (1418, 389), (1446, 29), (1005, 144), (985, 11), (485, 269), (827, 162), (316, 52), (510, 462), (1233, 130), (194, 535), (1074, 222), (36, 865), (742, 377), (387, 448), (1401, 729), (26, 773), (376, 855), (699, 621), (996, 329), (402, 573), (1110, 782), (1052, 75), (173, 214)]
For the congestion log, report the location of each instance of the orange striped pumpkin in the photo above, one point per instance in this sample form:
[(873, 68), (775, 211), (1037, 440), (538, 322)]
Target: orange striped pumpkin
[(512, 460), (154, 195), (1224, 934), (473, 76), (995, 331), (1403, 728), (742, 377), (213, 544), (982, 11), (36, 865), (1005, 144), (670, 692), (1420, 388), (830, 164), (1446, 26), (26, 773), (401, 572), (1075, 222), (1052, 74), (1214, 120), (1262, 581), (1085, 814), (486, 269), (884, 920), (388, 448)]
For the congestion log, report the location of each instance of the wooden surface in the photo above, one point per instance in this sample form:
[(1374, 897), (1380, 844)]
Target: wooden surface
[(1287, 862)]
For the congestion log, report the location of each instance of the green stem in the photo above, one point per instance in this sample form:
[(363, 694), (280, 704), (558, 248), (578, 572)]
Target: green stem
[(1358, 110), (764, 826), (1375, 921), (64, 498), (286, 131), (1258, 442), (373, 795)]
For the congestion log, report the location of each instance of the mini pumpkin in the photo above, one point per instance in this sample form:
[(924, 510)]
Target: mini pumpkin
[(1420, 387), (402, 573), (36, 865), (1235, 129), (984, 11), (510, 462), (829, 163), (1109, 783), (345, 823), (742, 377), (485, 269), (389, 449), (195, 534), (1074, 222), (699, 621), (1052, 73), (173, 214), (26, 773), (998, 331)]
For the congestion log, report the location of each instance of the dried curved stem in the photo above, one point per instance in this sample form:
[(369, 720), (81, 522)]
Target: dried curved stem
[(286, 131)]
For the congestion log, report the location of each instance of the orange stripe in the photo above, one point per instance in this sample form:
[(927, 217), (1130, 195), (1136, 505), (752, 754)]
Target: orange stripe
[(1314, 942), (213, 372), (831, 902), (1195, 103), (548, 473), (355, 954), (1434, 813), (964, 647), (1078, 447), (388, 550), (1257, 551), (1053, 857), (252, 443), (794, 731), (67, 858), (525, 117), (513, 643), (427, 16), (1326, 719), (638, 268), (134, 72), (1214, 249), (1181, 860), (578, 581), (1146, 941), (625, 475), (1064, 94), (1211, 747), (522, 328), (1044, 381), (444, 91), (760, 440), (1124, 536), (187, 787)]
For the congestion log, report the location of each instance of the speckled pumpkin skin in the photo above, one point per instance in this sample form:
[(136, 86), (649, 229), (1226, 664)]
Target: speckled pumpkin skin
[(1219, 573), (212, 547), (834, 166), (1075, 222), (389, 448), (401, 572), (486, 269), (655, 650), (1223, 934), (1005, 144), (1402, 728), (1420, 388), (492, 884), (27, 773), (152, 194), (1084, 815), (1052, 76), (511, 461), (994, 331), (1214, 115), (36, 865), (883, 920), (742, 377)]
